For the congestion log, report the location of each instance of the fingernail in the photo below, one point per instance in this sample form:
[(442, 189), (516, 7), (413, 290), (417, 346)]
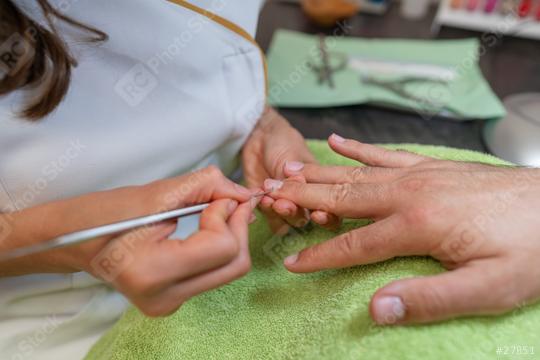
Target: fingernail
[(338, 138), (290, 260), (388, 310), (252, 218), (272, 185), (242, 190), (232, 205), (294, 166)]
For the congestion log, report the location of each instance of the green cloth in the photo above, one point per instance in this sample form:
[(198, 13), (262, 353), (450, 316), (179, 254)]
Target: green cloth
[(293, 84), (273, 314)]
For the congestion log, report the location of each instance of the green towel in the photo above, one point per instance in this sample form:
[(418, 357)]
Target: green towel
[(294, 84), (273, 314)]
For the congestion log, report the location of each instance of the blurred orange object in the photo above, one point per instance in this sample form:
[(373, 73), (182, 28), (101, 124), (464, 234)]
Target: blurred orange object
[(329, 12)]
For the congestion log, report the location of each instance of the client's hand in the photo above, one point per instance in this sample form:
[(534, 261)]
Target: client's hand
[(156, 273), (479, 221), (273, 150)]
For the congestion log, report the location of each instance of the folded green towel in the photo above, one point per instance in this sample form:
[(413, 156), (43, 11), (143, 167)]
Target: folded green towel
[(293, 83), (273, 314)]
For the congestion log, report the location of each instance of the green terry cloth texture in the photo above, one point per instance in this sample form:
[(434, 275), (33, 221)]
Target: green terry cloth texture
[(273, 314), (293, 84)]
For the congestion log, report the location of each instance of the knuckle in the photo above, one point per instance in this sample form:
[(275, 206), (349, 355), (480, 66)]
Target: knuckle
[(358, 173), (339, 194), (413, 184), (347, 243), (214, 172), (419, 216), (352, 244)]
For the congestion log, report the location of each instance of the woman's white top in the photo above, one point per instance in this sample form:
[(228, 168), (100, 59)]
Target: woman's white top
[(169, 92)]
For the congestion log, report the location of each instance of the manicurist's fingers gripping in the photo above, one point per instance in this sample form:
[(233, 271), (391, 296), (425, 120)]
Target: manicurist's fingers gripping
[(172, 298), (199, 187), (373, 155), (294, 215), (239, 266), (211, 247)]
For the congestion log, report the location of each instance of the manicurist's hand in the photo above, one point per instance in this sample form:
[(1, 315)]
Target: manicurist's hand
[(156, 273), (276, 150), (479, 221)]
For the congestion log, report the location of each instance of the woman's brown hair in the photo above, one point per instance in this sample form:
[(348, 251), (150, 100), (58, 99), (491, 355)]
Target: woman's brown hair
[(36, 59)]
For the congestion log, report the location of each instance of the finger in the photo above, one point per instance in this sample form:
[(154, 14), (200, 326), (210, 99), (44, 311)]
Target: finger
[(326, 220), (379, 241), (322, 218), (340, 174), (239, 221), (292, 214), (199, 187), (119, 254), (275, 222), (471, 290), (266, 203), (237, 268), (211, 247), (214, 217), (373, 155), (171, 299), (345, 200)]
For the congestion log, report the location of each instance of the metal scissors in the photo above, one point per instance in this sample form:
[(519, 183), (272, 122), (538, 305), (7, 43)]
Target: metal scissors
[(399, 87), (83, 236), (326, 70)]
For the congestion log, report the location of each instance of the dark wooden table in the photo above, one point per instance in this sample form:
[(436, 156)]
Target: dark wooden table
[(511, 66)]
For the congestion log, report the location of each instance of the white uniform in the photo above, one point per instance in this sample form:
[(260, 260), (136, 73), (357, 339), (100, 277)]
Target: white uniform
[(169, 92)]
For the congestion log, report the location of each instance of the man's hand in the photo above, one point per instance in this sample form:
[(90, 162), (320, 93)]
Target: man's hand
[(275, 150), (479, 221)]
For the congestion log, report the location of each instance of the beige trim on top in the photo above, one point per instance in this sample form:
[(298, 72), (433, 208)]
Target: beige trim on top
[(229, 25)]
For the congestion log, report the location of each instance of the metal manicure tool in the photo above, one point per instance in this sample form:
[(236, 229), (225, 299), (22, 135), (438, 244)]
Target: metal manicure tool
[(83, 236)]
